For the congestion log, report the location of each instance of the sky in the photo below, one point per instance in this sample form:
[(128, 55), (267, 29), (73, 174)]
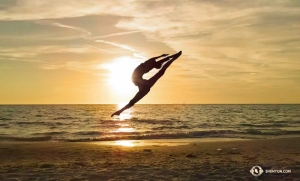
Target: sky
[(84, 51)]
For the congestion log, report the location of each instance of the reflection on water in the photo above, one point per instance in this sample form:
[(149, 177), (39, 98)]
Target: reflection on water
[(124, 127), (163, 142), (128, 143), (127, 114), (120, 130), (122, 124)]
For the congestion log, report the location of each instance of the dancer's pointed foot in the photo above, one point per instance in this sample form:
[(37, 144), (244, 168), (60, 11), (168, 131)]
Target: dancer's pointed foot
[(172, 57), (177, 54)]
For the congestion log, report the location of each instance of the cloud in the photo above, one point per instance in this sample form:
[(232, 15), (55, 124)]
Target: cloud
[(139, 56), (53, 23), (116, 34), (81, 58), (116, 44), (226, 40), (100, 49), (55, 9)]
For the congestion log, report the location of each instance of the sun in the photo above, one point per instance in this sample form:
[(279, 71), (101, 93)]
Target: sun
[(120, 74)]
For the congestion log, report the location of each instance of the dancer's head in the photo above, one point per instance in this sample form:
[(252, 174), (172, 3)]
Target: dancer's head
[(151, 64)]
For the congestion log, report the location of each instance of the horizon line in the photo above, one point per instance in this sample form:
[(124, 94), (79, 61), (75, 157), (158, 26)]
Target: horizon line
[(162, 104)]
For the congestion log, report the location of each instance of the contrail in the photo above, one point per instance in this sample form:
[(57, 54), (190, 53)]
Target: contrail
[(71, 27), (139, 55), (99, 48), (117, 45), (53, 23), (116, 34)]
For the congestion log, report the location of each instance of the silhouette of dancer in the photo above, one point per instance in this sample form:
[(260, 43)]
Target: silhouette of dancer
[(145, 85)]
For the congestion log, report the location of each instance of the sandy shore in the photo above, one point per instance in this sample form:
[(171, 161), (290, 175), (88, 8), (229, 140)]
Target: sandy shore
[(196, 160)]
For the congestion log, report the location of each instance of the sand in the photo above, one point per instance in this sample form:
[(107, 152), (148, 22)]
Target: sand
[(189, 160)]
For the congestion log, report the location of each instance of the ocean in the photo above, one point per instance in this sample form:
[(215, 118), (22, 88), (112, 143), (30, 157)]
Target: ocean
[(85, 123)]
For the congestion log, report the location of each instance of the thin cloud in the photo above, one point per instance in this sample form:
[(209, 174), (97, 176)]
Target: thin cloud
[(99, 49), (117, 45), (71, 27), (116, 34), (223, 38), (53, 23), (138, 56)]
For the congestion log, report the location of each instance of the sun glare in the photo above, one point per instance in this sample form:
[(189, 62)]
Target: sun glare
[(124, 130), (127, 143), (120, 74), (127, 114)]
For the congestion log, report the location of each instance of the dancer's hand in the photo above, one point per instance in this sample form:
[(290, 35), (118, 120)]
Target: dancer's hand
[(164, 55), (117, 113)]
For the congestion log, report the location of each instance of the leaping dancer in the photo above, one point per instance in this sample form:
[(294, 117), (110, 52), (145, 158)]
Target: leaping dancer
[(143, 84)]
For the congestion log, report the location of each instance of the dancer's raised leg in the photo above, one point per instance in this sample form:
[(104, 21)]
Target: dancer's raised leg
[(161, 72)]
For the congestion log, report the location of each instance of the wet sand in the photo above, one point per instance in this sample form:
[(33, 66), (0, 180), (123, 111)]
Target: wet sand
[(150, 160)]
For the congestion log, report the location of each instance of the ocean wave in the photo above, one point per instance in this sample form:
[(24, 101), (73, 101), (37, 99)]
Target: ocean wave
[(64, 117), (265, 125), (171, 127), (88, 133), (5, 119), (140, 136), (25, 139), (272, 132), (51, 133), (4, 125), (43, 123), (98, 133), (25, 122), (154, 121), (90, 136), (193, 134)]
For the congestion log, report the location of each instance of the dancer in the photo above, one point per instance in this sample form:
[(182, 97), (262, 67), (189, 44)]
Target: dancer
[(143, 84)]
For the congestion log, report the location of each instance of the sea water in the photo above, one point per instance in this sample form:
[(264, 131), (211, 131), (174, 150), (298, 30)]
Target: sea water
[(93, 122)]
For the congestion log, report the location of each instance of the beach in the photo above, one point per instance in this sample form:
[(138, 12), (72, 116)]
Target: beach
[(196, 159)]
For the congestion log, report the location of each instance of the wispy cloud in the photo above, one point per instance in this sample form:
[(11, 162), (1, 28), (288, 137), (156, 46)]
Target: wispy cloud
[(117, 45), (115, 34), (99, 49), (53, 23), (139, 55), (84, 58), (251, 43)]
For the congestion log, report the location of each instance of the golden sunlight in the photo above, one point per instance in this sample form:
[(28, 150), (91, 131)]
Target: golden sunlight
[(127, 114), (127, 143), (120, 74), (122, 130)]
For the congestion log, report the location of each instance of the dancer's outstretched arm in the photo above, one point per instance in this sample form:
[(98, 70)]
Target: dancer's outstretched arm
[(136, 98), (163, 55), (166, 59)]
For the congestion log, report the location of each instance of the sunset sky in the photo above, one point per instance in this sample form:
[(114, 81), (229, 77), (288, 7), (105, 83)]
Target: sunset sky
[(84, 51)]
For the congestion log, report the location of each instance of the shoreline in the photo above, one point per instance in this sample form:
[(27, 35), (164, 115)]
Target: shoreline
[(196, 159), (19, 140)]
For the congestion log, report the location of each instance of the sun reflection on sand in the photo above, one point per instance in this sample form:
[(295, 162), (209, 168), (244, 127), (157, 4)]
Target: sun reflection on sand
[(127, 143)]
